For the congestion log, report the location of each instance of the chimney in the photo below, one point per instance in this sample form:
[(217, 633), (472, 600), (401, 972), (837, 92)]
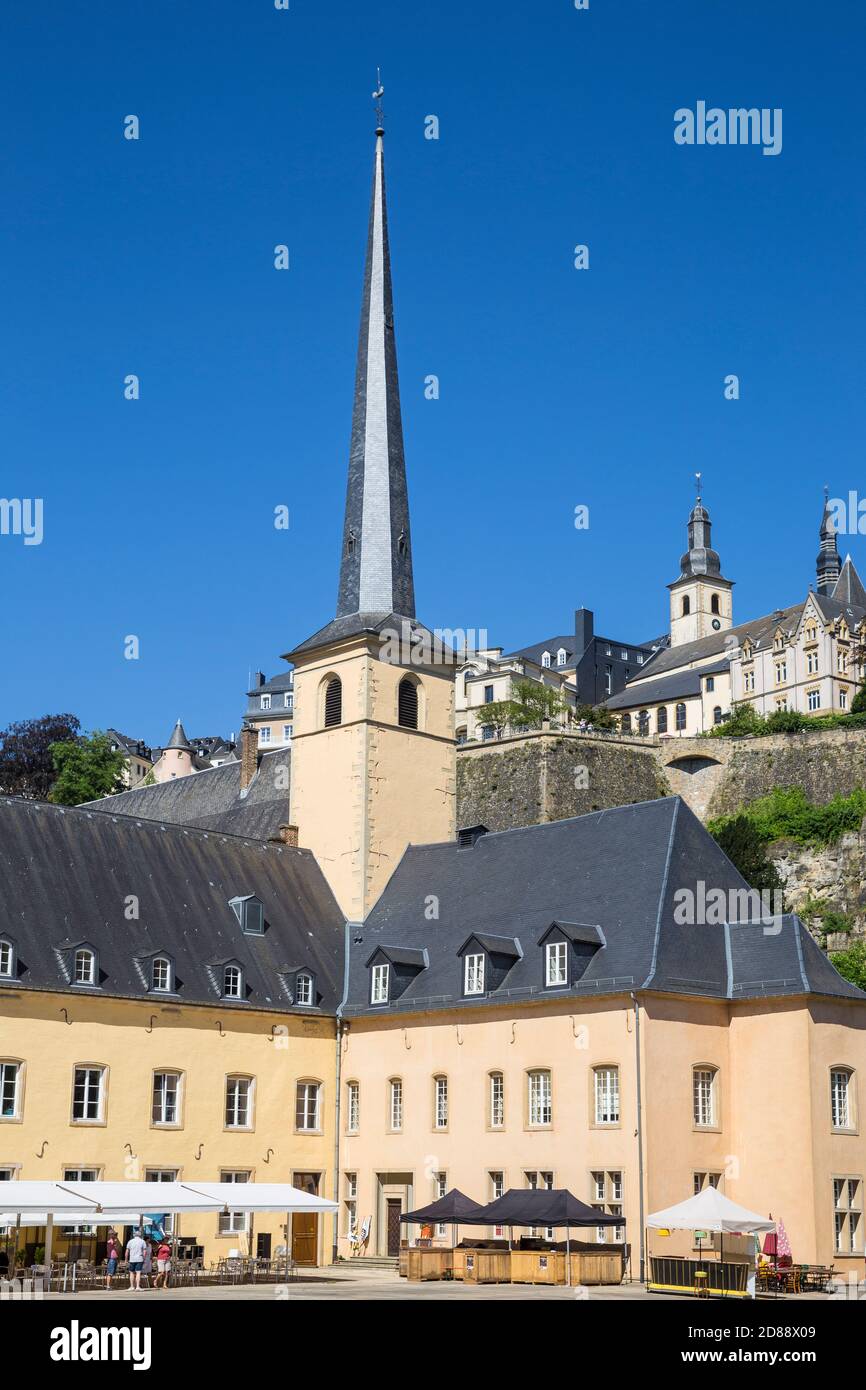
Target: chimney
[(249, 755), (258, 679), (583, 630), (288, 835)]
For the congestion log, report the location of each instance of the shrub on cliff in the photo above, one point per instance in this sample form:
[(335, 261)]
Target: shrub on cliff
[(852, 963), (787, 814), (858, 704), (743, 845)]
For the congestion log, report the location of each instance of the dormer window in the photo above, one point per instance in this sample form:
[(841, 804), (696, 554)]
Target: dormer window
[(233, 982), (266, 702), (84, 966), (561, 657), (160, 974), (304, 988), (473, 973), (7, 959), (250, 913), (556, 963), (545, 658), (380, 986)]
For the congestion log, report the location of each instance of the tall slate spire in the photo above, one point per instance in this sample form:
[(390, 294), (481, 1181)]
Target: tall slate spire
[(700, 558), (376, 567), (828, 565)]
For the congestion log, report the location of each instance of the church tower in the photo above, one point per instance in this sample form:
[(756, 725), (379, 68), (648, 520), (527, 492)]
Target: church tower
[(373, 748), (828, 564), (701, 599)]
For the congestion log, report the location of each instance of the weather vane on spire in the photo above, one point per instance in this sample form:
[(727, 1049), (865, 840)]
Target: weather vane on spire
[(377, 97), (698, 477)]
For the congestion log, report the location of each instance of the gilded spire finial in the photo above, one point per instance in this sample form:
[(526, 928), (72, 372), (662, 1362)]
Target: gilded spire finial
[(698, 477)]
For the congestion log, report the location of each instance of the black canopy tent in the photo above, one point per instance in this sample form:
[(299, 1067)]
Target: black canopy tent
[(541, 1206), (454, 1208)]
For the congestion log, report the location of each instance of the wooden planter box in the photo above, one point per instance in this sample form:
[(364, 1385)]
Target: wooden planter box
[(607, 1267), (428, 1263), (403, 1262), (487, 1266)]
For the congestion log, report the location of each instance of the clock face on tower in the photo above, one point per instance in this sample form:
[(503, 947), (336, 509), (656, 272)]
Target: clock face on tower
[(716, 624)]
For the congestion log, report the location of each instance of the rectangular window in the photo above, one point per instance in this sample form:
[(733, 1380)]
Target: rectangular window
[(543, 1180), (396, 1104), (848, 1215), (238, 1102), (606, 1095), (812, 663), (163, 1175), (473, 974), (351, 1203), (497, 1100), (497, 1187), (265, 733), (287, 732), (381, 975), (9, 1090), (814, 699), (353, 1106), (440, 1187), (607, 1196), (540, 1104), (488, 694), (307, 1105), (266, 702), (556, 954), (440, 1102), (748, 680), (233, 1222), (87, 1094), (304, 989), (608, 679), (704, 1097), (840, 1107), (166, 1094), (711, 682), (288, 700), (6, 959), (781, 672), (702, 1180), (843, 698), (80, 1175)]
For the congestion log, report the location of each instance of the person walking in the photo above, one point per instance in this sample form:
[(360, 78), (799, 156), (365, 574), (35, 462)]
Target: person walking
[(135, 1247), (112, 1250), (163, 1264)]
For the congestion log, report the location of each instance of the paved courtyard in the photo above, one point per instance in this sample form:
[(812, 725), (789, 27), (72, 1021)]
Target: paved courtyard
[(357, 1282)]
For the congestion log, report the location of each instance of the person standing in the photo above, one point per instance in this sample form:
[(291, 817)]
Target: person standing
[(147, 1262), (135, 1248), (163, 1263), (112, 1250)]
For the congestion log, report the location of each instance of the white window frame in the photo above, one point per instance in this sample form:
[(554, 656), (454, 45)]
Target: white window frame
[(10, 1077), (841, 1099), (555, 963), (496, 1116), (440, 1102), (308, 1107), (304, 988), (160, 1096), (353, 1106), (89, 1072), (88, 975), (704, 1098), (265, 733), (265, 702), (7, 959), (848, 1214), (606, 1096), (473, 973), (540, 1098), (395, 1104), (159, 961), (234, 1223), (380, 984), (233, 976), (239, 1098)]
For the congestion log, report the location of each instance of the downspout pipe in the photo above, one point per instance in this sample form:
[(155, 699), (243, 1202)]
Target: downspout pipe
[(342, 1029), (637, 1060)]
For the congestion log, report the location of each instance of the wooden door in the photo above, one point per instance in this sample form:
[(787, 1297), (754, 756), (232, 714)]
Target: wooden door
[(395, 1207), (305, 1227)]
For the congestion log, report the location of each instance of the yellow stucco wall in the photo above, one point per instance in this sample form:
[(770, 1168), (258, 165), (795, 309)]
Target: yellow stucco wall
[(133, 1039), (365, 789)]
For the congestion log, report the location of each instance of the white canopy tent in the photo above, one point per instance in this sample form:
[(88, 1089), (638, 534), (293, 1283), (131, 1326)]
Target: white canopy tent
[(709, 1210), (101, 1203)]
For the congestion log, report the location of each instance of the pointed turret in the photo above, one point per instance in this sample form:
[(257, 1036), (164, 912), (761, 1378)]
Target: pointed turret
[(848, 588), (178, 738), (376, 567), (828, 565)]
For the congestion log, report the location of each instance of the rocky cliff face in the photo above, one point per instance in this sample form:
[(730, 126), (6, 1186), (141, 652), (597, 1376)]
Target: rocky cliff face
[(832, 875)]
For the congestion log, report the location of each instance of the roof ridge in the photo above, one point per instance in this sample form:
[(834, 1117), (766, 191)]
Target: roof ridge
[(142, 821)]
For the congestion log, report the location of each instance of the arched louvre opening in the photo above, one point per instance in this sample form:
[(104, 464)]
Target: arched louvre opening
[(407, 704), (333, 702)]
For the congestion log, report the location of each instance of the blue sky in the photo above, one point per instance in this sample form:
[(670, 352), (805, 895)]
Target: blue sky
[(558, 387)]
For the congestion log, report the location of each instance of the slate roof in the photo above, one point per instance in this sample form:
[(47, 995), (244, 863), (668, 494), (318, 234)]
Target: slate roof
[(671, 687), (353, 624), (518, 882), (212, 800), (65, 876), (282, 681), (759, 629), (848, 587)]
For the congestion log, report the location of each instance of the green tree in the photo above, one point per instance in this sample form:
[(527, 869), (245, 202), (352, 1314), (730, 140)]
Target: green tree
[(852, 963), (747, 851), (26, 762), (494, 715), (533, 703), (86, 769), (858, 704)]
